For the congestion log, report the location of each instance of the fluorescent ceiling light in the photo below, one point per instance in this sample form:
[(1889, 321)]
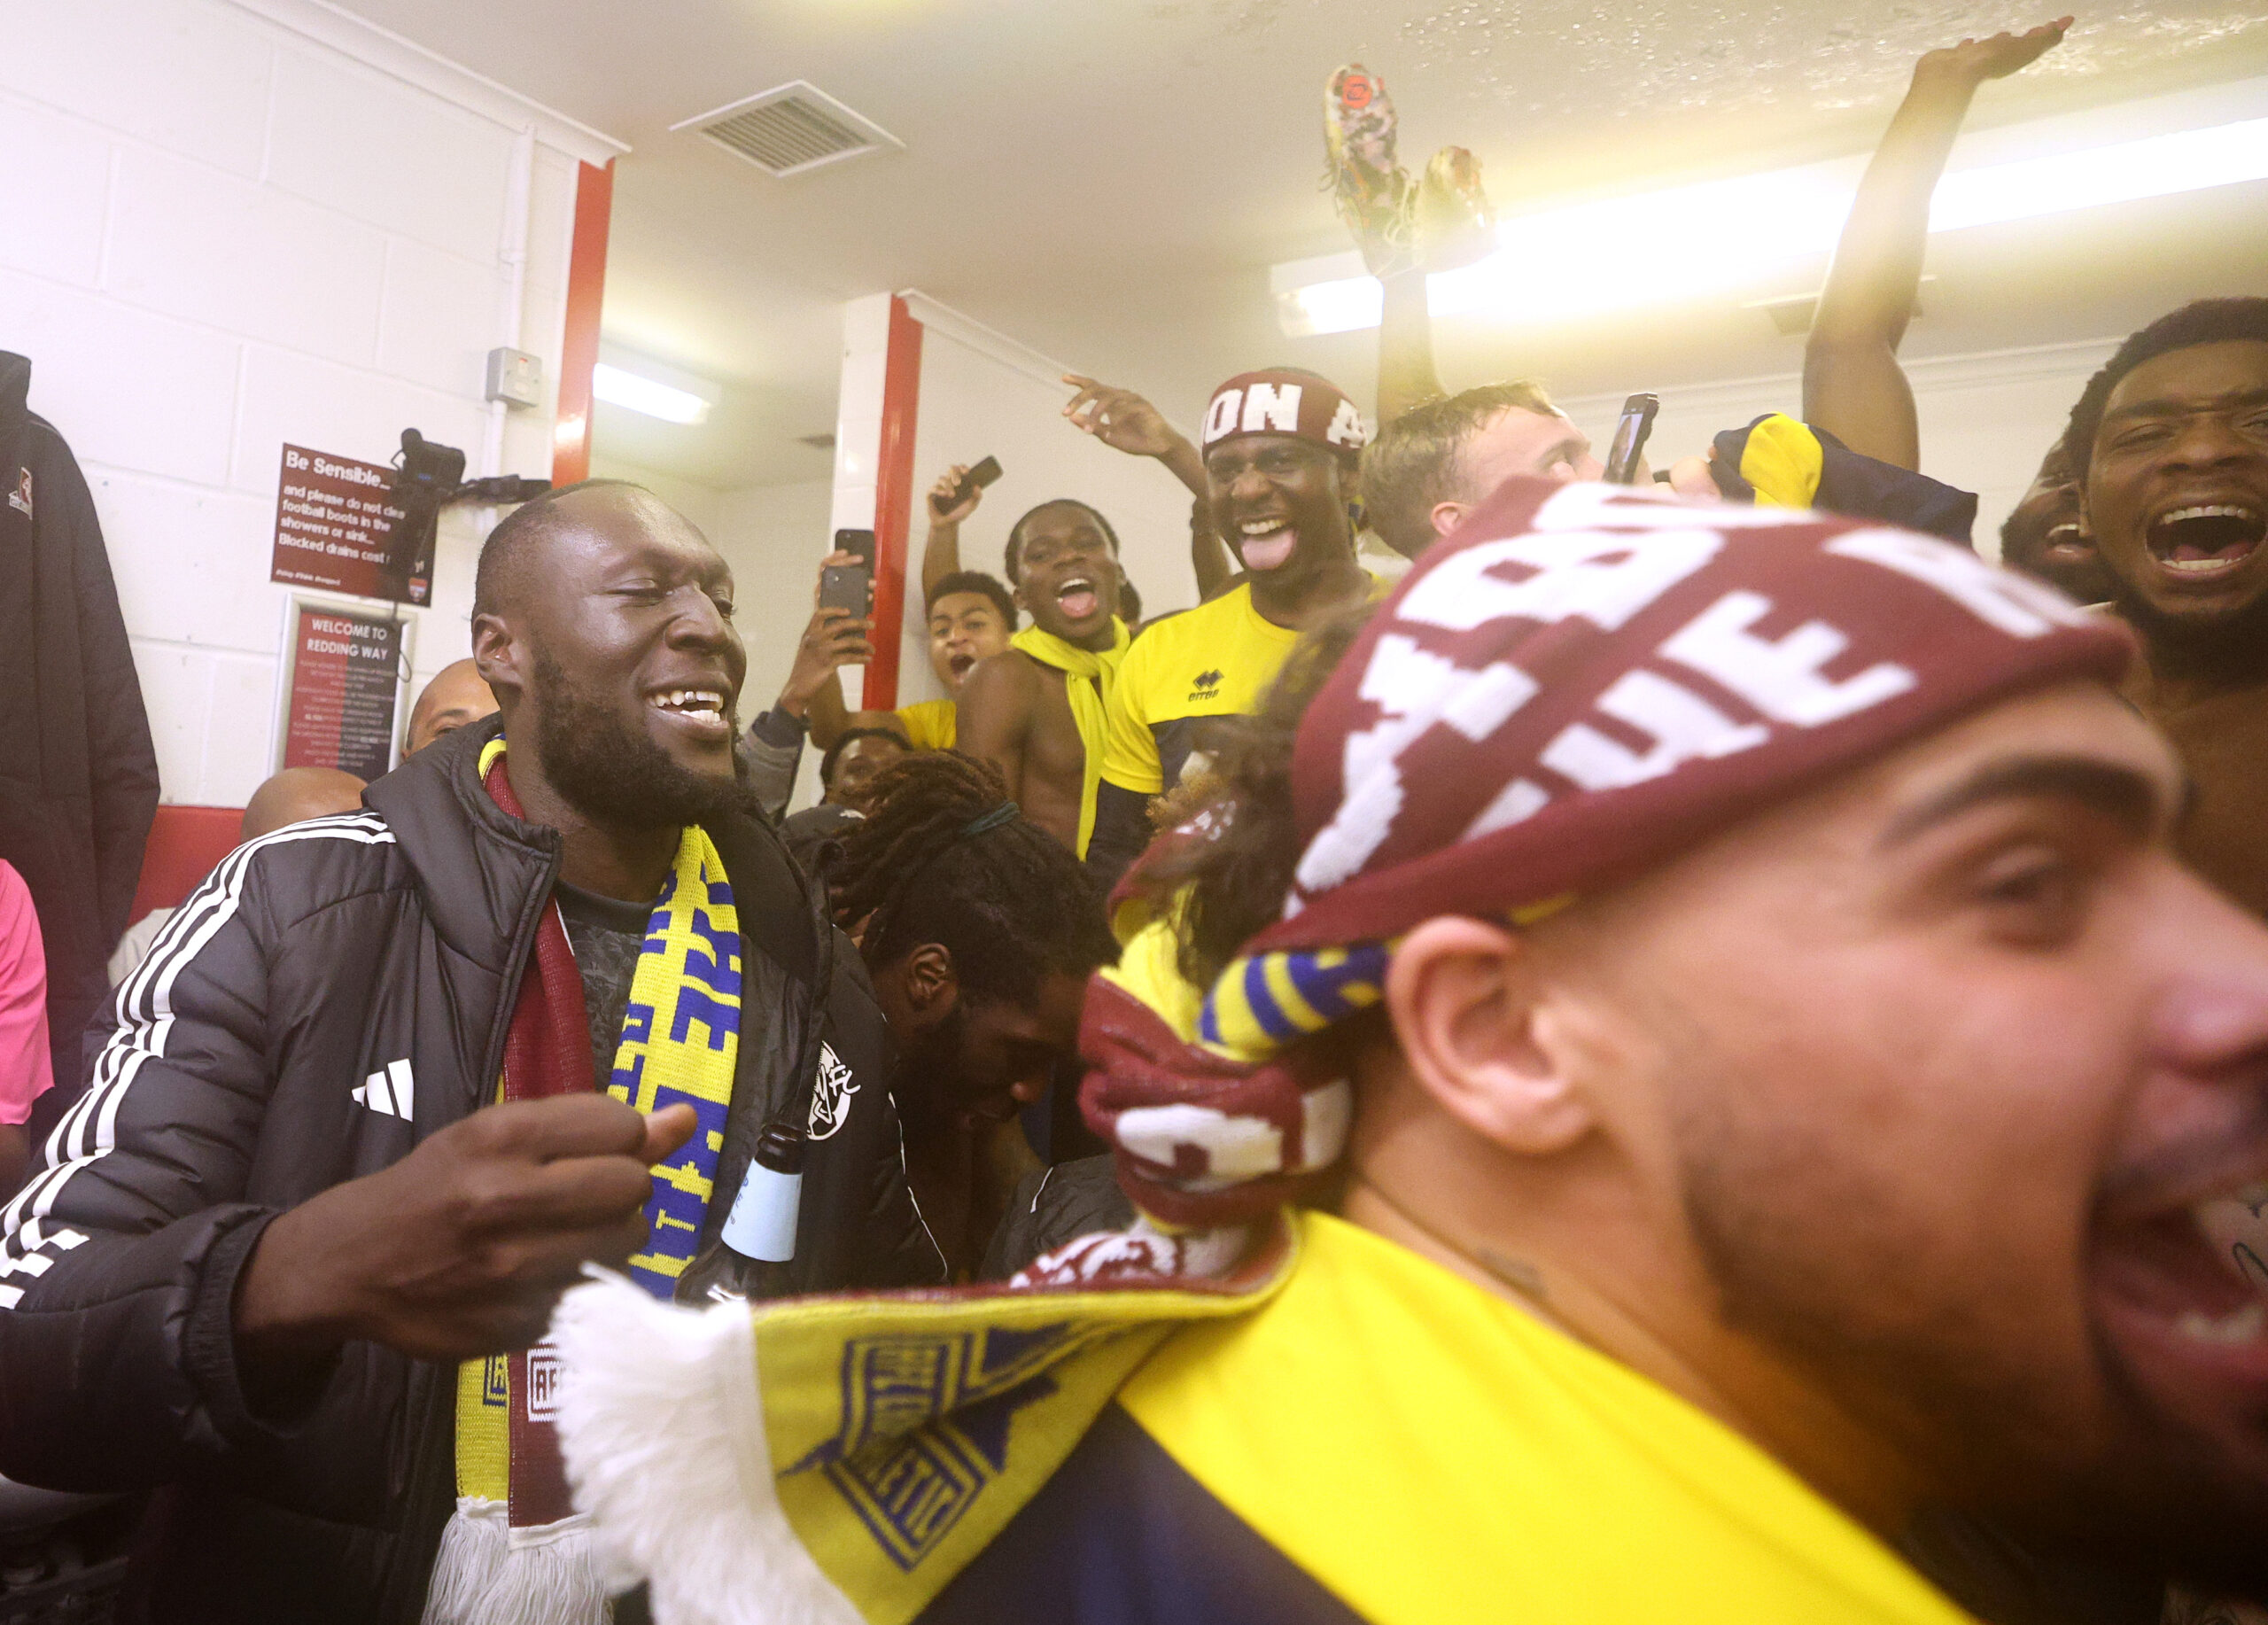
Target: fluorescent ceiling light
[(643, 394), (1725, 234)]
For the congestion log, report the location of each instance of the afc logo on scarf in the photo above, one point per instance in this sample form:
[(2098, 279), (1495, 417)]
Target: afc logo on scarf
[(543, 1381)]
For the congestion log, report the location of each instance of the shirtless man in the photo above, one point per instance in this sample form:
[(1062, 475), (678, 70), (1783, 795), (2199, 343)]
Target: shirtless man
[(2169, 443), (1019, 708)]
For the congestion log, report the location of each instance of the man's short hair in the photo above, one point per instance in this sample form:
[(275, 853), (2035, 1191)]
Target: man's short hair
[(2216, 320), (515, 538), (1412, 464), (843, 743), (1016, 532), (977, 581)]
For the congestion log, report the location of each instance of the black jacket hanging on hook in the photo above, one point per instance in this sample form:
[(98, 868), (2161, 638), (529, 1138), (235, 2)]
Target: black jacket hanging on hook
[(78, 775)]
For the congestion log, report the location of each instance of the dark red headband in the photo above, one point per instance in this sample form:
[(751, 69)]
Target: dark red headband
[(1583, 679)]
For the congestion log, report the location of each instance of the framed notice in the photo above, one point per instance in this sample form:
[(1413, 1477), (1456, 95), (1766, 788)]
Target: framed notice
[(345, 672), (338, 528)]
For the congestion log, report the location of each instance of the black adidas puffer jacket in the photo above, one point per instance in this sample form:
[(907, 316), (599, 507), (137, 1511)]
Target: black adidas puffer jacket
[(309, 960)]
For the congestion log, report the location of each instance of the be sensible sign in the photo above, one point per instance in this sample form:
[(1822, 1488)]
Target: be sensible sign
[(338, 527)]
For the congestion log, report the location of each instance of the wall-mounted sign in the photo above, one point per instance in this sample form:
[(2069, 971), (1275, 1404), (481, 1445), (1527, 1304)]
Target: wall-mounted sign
[(339, 528), (342, 684)]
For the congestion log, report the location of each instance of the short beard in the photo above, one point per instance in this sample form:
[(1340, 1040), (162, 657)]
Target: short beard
[(2158, 1501), (2231, 647), (615, 774)]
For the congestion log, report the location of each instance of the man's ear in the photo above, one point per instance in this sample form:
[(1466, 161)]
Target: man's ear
[(932, 988), (1465, 1015), (1448, 516), (500, 655)]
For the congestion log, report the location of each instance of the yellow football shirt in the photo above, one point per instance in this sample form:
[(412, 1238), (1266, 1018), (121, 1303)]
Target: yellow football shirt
[(1215, 660), (930, 725), (1429, 1452)]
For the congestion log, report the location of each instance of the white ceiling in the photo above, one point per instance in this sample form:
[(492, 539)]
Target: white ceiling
[(1109, 181)]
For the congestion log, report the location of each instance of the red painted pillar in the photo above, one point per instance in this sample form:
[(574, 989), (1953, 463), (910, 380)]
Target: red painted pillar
[(578, 353), (893, 501)]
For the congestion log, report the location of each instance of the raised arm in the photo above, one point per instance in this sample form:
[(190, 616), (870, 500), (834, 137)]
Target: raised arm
[(1853, 387), (1125, 422), (941, 549), (816, 691), (1406, 375), (1208, 555)]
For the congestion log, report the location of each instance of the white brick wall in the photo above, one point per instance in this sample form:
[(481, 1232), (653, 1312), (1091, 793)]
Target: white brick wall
[(233, 225)]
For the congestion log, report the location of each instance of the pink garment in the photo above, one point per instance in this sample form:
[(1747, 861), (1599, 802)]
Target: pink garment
[(26, 1071)]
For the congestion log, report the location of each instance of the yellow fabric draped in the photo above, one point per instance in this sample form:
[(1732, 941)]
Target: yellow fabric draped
[(1482, 1465), (1088, 675)]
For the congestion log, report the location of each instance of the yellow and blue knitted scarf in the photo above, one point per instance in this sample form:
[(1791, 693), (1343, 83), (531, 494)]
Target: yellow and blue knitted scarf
[(680, 1044)]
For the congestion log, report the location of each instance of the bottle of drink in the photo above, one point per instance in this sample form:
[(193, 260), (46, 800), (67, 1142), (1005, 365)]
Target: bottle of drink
[(760, 1226)]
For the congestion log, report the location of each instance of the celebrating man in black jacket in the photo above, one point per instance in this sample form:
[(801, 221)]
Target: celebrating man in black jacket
[(281, 1254)]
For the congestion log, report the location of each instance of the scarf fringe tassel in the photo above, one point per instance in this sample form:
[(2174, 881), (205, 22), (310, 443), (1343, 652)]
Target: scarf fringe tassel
[(651, 1394), (490, 1573)]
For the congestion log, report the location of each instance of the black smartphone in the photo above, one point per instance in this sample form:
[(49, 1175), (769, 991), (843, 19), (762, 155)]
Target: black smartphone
[(983, 475), (847, 586), (861, 542), (1630, 439)]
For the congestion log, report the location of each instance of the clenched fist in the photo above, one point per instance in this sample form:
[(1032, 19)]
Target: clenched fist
[(461, 1248)]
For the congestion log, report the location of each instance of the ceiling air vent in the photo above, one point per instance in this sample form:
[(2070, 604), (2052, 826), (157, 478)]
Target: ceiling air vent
[(791, 128)]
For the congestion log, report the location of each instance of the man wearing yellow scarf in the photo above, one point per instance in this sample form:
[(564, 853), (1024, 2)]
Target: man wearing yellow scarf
[(390, 1078), (1035, 711), (1694, 1066)]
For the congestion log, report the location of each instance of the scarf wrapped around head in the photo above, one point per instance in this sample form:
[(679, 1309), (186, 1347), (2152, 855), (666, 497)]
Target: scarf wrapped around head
[(1579, 683)]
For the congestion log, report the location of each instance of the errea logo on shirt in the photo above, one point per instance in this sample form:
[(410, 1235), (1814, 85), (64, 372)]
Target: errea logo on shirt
[(1205, 686)]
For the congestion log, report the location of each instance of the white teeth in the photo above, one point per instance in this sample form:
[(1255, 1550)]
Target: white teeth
[(2199, 567), (2214, 510), (1262, 528), (695, 700), (2244, 1326)]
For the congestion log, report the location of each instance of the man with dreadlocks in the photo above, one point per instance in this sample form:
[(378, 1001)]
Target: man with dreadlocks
[(1661, 934), (979, 929)]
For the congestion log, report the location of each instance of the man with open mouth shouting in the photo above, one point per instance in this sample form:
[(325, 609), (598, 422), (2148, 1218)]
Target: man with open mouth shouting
[(2045, 536), (2170, 445), (1281, 451), (1037, 710), (388, 1080), (1682, 1054)]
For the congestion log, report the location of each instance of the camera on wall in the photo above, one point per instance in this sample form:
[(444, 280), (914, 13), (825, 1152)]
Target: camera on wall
[(428, 476)]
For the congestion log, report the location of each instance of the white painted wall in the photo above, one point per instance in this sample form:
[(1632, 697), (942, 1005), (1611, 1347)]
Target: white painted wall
[(1986, 419), (773, 537), (697, 502), (234, 225)]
